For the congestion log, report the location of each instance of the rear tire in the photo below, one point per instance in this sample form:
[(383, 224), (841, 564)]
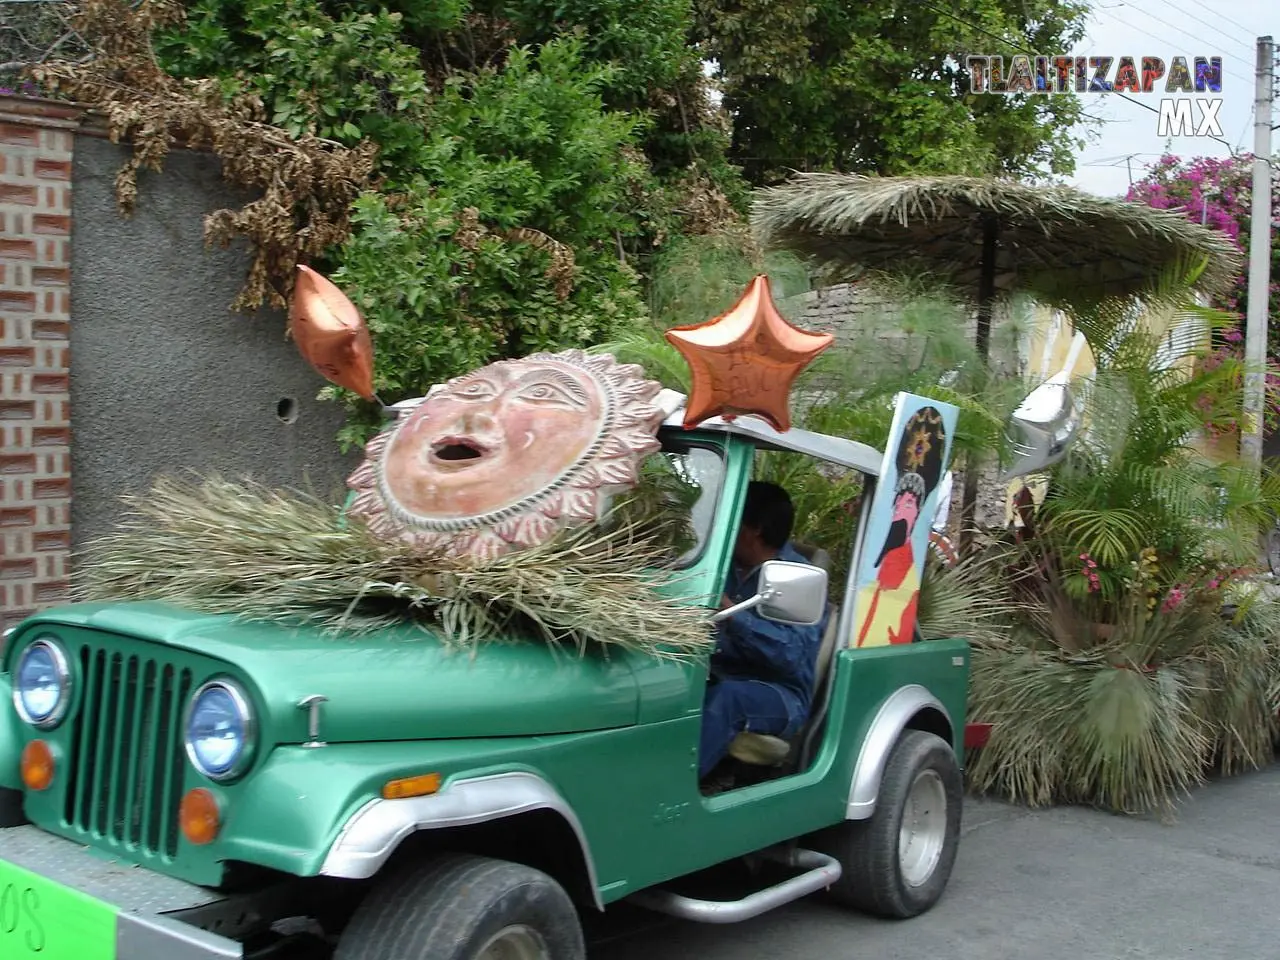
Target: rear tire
[(897, 863), (464, 907)]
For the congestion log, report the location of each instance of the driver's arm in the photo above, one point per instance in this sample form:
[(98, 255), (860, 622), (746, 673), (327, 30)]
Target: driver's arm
[(749, 640)]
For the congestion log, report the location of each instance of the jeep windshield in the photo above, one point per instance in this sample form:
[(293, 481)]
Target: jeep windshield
[(692, 472)]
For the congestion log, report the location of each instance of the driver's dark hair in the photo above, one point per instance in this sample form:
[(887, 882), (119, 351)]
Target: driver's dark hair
[(769, 510)]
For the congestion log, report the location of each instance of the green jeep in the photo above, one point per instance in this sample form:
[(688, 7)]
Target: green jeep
[(399, 801)]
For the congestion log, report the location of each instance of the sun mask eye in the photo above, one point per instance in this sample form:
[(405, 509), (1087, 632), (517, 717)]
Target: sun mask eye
[(546, 392), (554, 388), (476, 390)]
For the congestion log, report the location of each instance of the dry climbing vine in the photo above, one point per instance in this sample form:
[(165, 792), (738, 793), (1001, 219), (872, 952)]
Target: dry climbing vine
[(304, 186)]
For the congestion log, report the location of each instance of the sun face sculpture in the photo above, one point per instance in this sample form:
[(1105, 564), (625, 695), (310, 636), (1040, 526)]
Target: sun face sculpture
[(506, 456)]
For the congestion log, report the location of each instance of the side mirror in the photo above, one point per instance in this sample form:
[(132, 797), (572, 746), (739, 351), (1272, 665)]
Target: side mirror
[(794, 593), (1043, 426)]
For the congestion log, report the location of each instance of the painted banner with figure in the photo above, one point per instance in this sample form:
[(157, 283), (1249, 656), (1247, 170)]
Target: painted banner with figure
[(905, 502)]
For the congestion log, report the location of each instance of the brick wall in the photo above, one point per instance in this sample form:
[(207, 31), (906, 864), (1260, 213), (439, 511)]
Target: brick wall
[(36, 142)]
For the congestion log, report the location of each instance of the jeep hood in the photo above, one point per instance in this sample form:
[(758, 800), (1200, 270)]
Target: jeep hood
[(400, 683)]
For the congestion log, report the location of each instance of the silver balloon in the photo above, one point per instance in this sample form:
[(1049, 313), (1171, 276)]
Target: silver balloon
[(1043, 426)]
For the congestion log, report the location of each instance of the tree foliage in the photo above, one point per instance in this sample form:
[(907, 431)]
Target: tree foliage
[(488, 177), (882, 87), (503, 197), (501, 243)]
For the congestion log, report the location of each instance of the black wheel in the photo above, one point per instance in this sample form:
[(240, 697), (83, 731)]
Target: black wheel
[(463, 907), (11, 814), (897, 863)]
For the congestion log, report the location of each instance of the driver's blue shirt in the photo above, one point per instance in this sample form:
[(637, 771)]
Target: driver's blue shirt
[(750, 647)]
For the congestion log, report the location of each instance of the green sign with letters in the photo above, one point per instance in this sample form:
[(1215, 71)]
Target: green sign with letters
[(43, 920)]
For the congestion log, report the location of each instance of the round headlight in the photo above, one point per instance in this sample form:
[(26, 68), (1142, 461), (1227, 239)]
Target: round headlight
[(219, 730), (42, 684)]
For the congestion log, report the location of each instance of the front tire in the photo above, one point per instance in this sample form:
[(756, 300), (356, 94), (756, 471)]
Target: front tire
[(897, 863), (464, 907)]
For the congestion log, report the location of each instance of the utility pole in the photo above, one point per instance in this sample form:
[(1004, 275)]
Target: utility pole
[(1255, 336)]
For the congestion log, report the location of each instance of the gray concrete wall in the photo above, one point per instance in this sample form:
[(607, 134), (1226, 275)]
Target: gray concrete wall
[(164, 377)]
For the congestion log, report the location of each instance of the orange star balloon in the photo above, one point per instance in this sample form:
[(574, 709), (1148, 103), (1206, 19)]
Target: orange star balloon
[(330, 333), (745, 361)]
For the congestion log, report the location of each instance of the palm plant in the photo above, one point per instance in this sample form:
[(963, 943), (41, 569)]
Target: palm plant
[(967, 599), (1137, 480), (1122, 682)]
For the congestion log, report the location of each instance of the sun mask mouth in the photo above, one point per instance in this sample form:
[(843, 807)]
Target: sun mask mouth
[(457, 450)]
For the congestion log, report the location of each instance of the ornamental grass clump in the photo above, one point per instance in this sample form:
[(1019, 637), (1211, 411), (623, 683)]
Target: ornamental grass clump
[(1129, 714), (966, 599)]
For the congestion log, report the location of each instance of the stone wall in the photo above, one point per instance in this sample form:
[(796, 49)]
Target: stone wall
[(855, 314), (859, 316), (36, 144)]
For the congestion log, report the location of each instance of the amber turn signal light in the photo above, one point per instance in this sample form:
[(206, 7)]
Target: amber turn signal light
[(199, 817), (37, 765), (421, 786)]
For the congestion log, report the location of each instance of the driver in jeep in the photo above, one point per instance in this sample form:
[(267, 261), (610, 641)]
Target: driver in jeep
[(762, 672)]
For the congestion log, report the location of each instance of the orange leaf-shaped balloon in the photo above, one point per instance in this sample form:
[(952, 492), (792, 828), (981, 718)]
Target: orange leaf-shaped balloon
[(330, 333)]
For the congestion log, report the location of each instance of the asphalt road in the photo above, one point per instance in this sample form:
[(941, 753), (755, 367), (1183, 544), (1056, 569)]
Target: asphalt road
[(1058, 884)]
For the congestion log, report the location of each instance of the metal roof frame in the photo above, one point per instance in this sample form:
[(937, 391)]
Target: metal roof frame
[(847, 453)]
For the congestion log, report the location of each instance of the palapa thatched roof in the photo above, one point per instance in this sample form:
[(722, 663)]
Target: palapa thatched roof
[(1063, 246)]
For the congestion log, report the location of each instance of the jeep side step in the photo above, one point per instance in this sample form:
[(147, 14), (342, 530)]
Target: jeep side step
[(820, 872)]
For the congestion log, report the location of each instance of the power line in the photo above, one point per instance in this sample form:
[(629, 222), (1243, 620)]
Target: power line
[(1191, 16), (1165, 40), (1118, 161), (1234, 23), (1122, 157), (1247, 123)]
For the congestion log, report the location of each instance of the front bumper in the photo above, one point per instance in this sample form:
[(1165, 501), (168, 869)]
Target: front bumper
[(74, 903)]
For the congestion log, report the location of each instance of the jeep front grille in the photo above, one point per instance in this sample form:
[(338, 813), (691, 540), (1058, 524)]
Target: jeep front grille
[(127, 759)]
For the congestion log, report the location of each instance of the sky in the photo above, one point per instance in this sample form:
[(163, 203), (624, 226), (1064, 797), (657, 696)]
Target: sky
[(1128, 140)]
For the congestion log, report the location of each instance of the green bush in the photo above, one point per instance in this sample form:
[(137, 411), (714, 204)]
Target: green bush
[(1127, 718), (480, 254), (529, 162)]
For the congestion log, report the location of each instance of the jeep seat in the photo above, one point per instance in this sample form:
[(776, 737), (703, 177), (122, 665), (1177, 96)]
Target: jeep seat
[(762, 749)]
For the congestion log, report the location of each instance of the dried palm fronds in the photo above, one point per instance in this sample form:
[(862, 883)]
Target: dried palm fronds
[(1086, 730), (239, 548), (1066, 247), (1134, 719), (1242, 689)]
